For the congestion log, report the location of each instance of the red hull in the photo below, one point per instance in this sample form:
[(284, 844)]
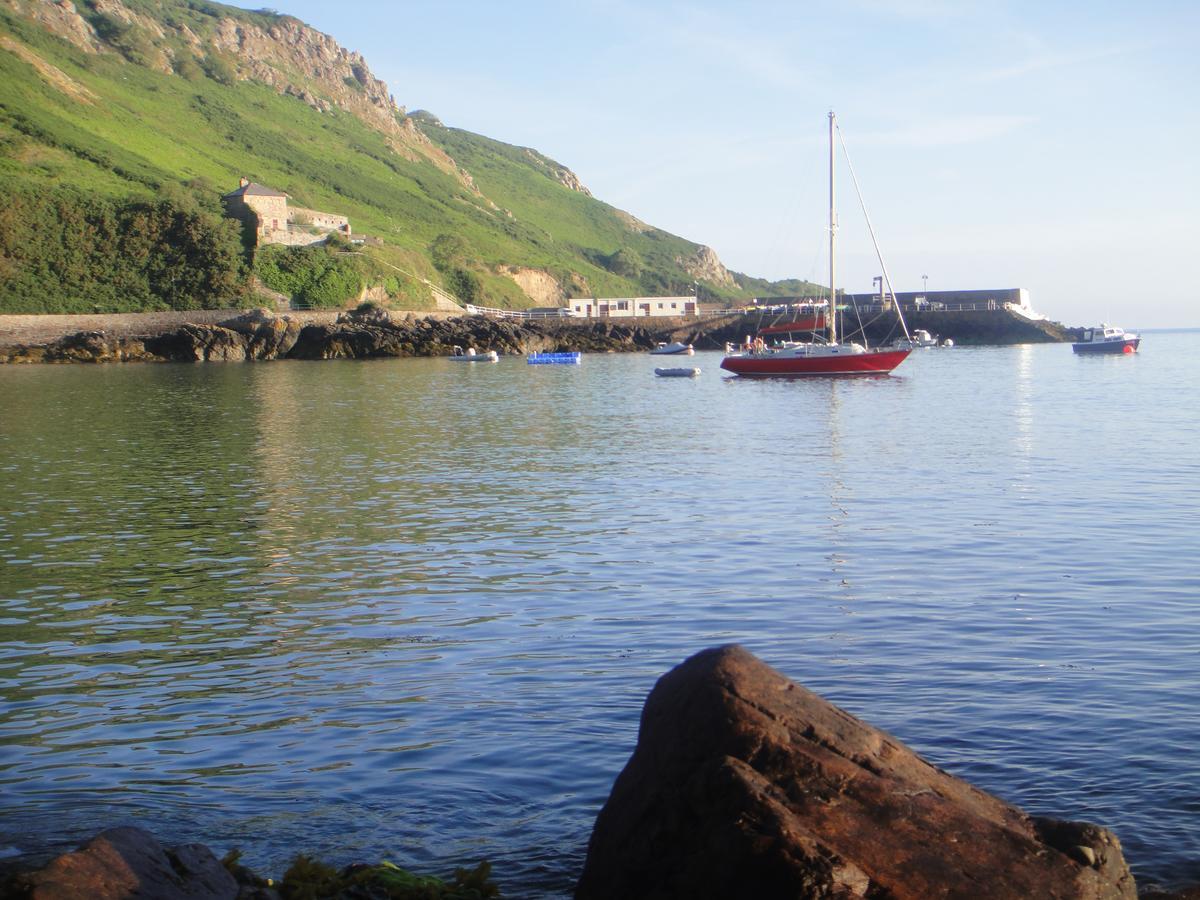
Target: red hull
[(872, 363)]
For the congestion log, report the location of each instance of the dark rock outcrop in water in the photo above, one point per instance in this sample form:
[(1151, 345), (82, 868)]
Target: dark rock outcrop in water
[(359, 334), (257, 334), (370, 333), (123, 863), (744, 784)]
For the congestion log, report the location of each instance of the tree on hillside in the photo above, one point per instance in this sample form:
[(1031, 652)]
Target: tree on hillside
[(624, 262), (451, 251), (465, 286)]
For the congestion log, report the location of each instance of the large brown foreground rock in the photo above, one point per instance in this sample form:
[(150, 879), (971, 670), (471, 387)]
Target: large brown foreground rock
[(744, 784), (127, 863)]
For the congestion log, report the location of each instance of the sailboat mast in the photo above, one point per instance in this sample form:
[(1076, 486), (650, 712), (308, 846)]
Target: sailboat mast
[(832, 312)]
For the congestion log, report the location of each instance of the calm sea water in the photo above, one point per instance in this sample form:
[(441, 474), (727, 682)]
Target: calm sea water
[(411, 609)]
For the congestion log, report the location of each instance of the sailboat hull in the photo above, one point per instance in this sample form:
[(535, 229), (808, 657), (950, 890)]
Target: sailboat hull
[(872, 362)]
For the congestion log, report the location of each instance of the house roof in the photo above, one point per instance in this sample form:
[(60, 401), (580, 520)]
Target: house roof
[(255, 190)]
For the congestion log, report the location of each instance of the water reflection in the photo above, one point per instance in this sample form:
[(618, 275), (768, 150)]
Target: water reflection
[(1023, 411)]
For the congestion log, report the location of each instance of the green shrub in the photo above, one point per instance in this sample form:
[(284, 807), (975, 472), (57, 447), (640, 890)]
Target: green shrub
[(316, 276), (62, 252), (218, 69), (464, 285), (187, 67), (449, 252), (332, 288), (624, 262)]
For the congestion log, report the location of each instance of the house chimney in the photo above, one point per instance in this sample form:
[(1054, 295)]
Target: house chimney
[(243, 181)]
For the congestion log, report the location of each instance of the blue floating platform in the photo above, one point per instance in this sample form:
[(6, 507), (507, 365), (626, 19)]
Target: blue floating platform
[(554, 359)]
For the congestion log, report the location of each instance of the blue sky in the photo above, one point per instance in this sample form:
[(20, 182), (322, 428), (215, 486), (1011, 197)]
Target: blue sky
[(1045, 145)]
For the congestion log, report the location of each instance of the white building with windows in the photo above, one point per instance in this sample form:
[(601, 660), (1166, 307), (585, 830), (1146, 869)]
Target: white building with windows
[(631, 307)]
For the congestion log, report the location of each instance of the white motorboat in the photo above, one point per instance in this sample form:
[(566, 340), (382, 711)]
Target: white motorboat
[(918, 339), (1107, 339), (470, 355), (665, 349)]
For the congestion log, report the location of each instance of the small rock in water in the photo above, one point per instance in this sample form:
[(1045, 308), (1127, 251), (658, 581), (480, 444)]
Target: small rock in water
[(127, 862)]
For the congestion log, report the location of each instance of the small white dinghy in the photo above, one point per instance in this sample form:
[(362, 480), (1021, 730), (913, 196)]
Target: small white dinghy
[(665, 349), (685, 372), (472, 356)]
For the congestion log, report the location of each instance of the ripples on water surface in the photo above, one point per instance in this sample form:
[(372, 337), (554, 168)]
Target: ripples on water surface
[(411, 609)]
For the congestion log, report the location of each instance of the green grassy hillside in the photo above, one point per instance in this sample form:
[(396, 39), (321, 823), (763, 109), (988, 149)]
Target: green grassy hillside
[(162, 111)]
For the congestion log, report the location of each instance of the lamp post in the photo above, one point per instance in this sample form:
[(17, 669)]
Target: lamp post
[(925, 285)]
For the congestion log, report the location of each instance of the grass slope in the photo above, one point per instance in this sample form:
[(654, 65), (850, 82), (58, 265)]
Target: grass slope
[(115, 128)]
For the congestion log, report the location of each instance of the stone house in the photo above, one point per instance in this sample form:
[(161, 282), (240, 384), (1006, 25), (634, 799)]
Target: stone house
[(275, 222)]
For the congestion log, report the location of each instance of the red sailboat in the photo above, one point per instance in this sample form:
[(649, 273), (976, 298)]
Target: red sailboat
[(828, 357)]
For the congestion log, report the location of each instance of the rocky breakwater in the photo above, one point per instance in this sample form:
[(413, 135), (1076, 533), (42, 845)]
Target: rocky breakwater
[(363, 333), (744, 784), (257, 334)]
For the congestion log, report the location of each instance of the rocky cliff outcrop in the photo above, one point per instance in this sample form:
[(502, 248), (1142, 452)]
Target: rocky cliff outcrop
[(283, 53), (744, 784), (705, 265), (556, 171), (539, 285), (60, 17), (294, 59)]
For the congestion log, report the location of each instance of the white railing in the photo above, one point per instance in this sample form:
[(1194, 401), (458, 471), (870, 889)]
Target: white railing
[(493, 313), (564, 313), (983, 306)]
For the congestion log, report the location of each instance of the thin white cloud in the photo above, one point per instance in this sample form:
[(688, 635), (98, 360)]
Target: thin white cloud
[(1042, 62), (946, 132), (714, 39), (921, 9), (722, 40)]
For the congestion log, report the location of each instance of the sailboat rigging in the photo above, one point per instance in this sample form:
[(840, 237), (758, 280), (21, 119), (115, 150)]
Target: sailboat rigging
[(791, 358)]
